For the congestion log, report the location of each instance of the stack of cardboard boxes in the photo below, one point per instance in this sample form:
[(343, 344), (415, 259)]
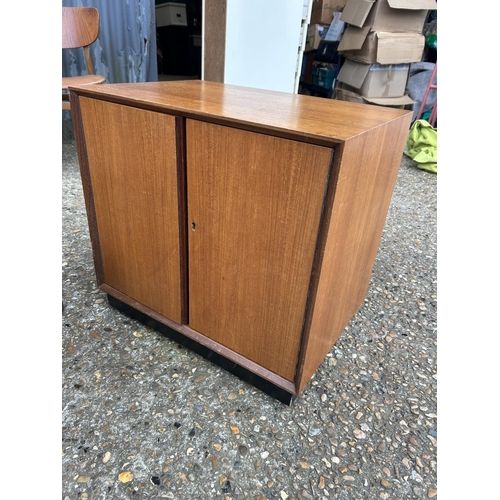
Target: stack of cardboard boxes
[(323, 15), (382, 38)]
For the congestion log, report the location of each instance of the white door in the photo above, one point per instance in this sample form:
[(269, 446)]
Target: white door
[(264, 43)]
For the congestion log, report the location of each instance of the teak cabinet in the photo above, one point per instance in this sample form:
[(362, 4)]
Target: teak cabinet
[(243, 223)]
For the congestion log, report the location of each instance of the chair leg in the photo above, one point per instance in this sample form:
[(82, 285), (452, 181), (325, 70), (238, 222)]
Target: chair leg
[(65, 101)]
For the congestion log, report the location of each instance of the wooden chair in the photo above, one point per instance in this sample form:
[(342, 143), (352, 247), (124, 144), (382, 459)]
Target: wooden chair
[(80, 27)]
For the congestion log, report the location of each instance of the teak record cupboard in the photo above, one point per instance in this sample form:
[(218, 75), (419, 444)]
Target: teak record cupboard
[(243, 223)]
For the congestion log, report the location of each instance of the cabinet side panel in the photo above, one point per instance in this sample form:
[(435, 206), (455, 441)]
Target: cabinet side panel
[(133, 170), (255, 202), (86, 185), (365, 178)]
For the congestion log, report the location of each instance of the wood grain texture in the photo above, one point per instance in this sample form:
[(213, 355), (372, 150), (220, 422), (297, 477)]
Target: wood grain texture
[(133, 170), (88, 194), (214, 40), (304, 118), (82, 80), (80, 26), (255, 202), (366, 173)]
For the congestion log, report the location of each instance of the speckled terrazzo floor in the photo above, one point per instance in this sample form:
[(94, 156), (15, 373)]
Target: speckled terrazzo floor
[(144, 418)]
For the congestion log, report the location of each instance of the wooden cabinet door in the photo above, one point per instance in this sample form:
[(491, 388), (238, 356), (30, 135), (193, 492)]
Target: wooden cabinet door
[(133, 169), (254, 209)]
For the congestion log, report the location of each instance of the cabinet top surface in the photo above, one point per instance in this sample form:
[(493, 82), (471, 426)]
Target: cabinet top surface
[(310, 118)]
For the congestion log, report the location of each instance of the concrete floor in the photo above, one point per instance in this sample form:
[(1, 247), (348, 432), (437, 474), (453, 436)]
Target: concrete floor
[(144, 418)]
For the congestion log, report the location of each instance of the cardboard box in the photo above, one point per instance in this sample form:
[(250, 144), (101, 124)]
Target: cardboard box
[(346, 95), (404, 102), (322, 10), (375, 80), (315, 33), (398, 16), (362, 45), (171, 14)]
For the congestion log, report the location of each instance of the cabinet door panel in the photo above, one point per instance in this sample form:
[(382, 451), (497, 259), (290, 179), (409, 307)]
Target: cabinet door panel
[(133, 168), (254, 208)]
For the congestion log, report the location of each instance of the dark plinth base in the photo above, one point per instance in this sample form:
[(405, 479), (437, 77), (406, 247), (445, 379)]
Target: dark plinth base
[(228, 365)]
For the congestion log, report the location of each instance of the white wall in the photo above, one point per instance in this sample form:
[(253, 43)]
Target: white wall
[(262, 43)]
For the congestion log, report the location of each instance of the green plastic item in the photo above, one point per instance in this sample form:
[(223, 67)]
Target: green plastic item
[(431, 41)]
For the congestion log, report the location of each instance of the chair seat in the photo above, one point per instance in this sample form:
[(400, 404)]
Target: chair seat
[(82, 80)]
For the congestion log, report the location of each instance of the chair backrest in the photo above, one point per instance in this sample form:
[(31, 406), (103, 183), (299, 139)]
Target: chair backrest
[(80, 28)]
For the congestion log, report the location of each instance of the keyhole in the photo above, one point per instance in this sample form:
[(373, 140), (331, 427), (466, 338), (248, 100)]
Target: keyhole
[(193, 226)]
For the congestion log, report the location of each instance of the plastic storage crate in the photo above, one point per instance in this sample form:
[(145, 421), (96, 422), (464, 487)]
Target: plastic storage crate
[(324, 77)]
